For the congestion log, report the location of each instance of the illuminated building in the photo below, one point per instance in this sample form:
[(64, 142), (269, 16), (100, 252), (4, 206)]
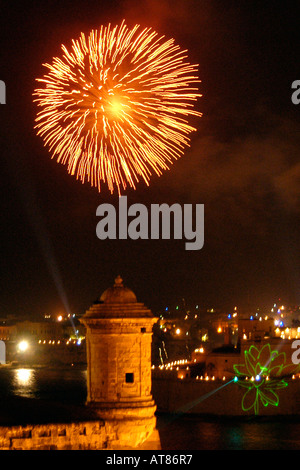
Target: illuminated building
[(118, 336), (48, 341)]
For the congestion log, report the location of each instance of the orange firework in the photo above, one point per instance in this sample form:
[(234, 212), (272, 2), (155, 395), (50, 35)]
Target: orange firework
[(115, 107)]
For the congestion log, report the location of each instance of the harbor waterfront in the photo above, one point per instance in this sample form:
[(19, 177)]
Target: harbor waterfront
[(29, 387), (110, 392)]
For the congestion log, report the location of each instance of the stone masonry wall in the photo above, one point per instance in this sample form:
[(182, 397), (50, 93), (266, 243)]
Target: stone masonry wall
[(112, 358), (74, 436), (88, 435), (127, 432)]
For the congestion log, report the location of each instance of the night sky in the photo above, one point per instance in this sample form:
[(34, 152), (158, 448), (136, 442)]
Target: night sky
[(243, 164)]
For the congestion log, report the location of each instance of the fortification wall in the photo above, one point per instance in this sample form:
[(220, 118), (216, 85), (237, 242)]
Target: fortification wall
[(73, 436), (90, 435), (173, 395), (87, 435)]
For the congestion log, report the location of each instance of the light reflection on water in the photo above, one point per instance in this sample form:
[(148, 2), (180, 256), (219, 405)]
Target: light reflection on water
[(66, 386), (23, 382)]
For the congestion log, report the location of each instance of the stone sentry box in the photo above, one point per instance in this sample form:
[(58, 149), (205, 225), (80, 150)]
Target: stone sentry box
[(118, 337)]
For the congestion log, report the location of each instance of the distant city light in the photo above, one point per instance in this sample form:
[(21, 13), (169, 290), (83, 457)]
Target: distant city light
[(23, 346)]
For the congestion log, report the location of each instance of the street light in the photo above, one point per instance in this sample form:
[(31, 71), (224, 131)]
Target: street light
[(23, 346)]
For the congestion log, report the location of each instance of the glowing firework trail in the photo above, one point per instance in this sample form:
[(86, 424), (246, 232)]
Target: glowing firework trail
[(115, 108)]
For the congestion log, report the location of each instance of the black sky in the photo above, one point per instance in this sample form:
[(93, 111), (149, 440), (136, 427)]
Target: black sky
[(243, 164)]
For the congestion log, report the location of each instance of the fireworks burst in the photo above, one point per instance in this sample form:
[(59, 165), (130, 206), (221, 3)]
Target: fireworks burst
[(115, 107)]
